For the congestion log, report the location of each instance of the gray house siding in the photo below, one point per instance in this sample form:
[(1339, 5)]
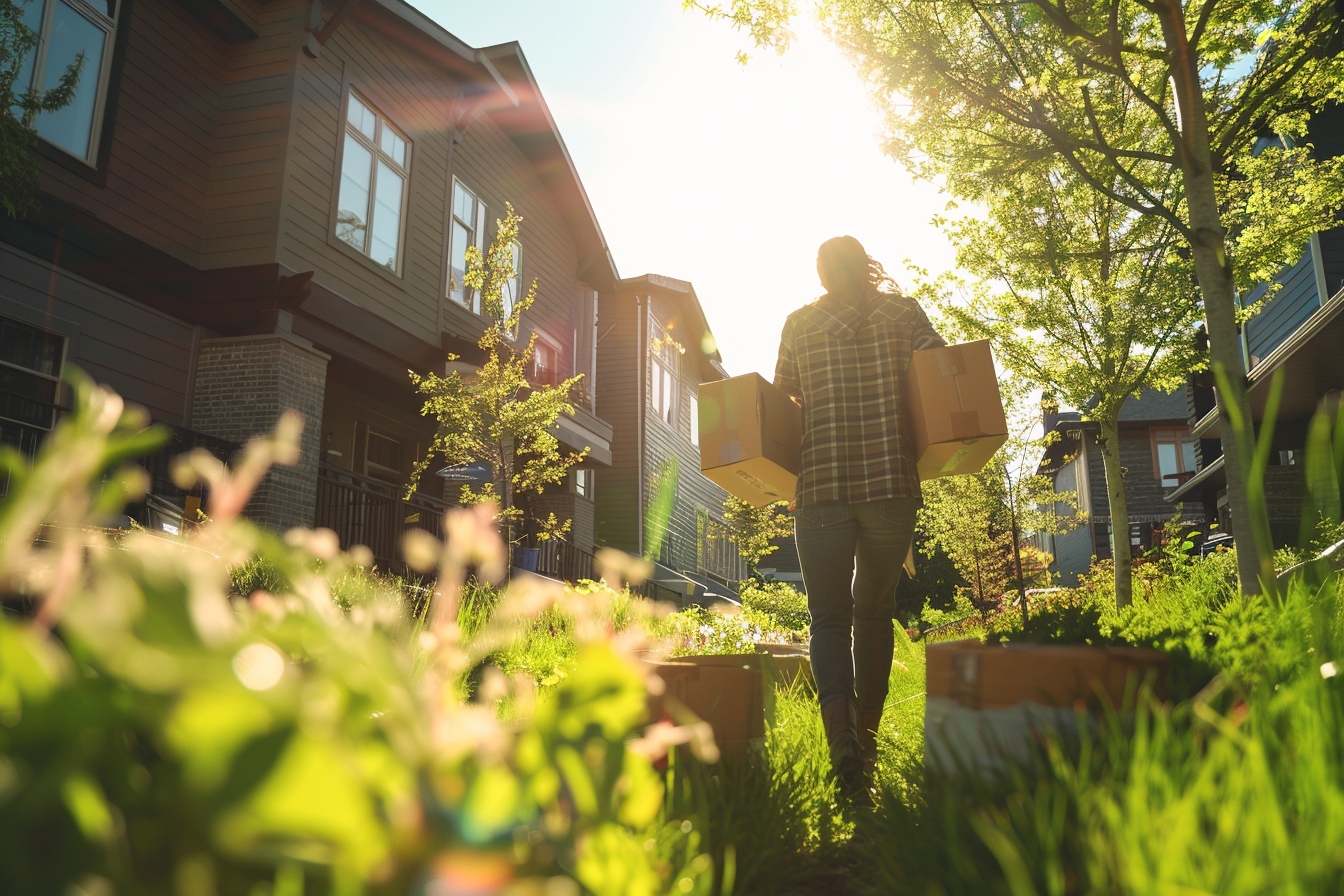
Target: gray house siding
[(1285, 312), (146, 356)]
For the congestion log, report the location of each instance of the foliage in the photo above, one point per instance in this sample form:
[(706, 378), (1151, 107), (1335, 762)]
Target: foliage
[(1157, 105), (697, 631), (766, 23), (754, 529), (779, 600), (20, 104), (495, 416), (1228, 794), (978, 519), (1084, 297), (161, 737)]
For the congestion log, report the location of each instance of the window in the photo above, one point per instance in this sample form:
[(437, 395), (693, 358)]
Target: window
[(513, 289), (370, 206), (65, 29), (465, 229), (1173, 456), (383, 457), (695, 420), (663, 379), (545, 361), (30, 369), (583, 483)]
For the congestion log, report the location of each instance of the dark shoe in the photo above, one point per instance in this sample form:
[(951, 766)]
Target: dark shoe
[(839, 718)]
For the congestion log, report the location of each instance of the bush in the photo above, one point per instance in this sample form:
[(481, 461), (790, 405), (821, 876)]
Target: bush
[(781, 601), (158, 736)]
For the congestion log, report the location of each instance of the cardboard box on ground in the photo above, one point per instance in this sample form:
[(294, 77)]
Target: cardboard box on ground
[(991, 705), (734, 693)]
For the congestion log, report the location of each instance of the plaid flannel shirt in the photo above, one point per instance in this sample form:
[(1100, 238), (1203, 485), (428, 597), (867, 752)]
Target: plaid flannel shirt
[(846, 367)]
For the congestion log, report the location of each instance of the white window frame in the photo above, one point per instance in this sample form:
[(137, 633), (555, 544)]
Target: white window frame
[(583, 482), (694, 408), (663, 386), (53, 378), (101, 21), (512, 290), (468, 298), (544, 340), (401, 168)]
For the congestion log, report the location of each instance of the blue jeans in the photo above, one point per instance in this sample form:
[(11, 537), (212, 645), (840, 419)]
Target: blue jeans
[(851, 555)]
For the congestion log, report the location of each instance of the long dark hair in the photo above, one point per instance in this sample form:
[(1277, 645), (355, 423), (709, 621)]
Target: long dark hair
[(848, 272)]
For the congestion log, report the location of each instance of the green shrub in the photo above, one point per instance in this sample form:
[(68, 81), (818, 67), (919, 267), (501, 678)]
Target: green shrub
[(1237, 793), (158, 736), (779, 600), (698, 630)]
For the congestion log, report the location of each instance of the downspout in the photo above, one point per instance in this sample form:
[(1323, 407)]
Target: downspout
[(641, 377)]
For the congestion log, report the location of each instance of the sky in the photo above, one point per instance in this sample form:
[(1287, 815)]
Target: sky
[(706, 170)]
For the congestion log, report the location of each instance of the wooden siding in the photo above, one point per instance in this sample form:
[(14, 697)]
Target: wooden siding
[(663, 442), (144, 355), (423, 102), (619, 381), (1296, 301), (194, 163)]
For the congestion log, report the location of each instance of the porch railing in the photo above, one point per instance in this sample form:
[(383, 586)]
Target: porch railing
[(564, 561), (371, 512)]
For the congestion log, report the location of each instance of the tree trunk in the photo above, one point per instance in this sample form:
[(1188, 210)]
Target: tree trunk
[(1214, 272), (1115, 496)]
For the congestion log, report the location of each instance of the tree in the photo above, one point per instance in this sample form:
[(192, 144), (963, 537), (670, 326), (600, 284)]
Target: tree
[(1084, 297), (752, 529), (495, 416), (20, 106), (1158, 104), (979, 519)]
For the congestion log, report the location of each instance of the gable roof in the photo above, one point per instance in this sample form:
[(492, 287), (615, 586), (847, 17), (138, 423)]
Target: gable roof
[(501, 81), (683, 294)]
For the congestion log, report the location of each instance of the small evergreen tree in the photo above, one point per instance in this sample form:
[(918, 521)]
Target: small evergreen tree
[(495, 416)]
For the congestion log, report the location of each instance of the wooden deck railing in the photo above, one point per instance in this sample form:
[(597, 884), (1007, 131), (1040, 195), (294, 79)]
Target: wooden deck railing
[(368, 511)]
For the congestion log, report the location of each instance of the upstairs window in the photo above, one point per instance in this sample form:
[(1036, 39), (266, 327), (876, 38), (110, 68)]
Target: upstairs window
[(1173, 457), (67, 30), (545, 361), (374, 167), (583, 482), (513, 289), (466, 229), (695, 420), (30, 369), (663, 358)]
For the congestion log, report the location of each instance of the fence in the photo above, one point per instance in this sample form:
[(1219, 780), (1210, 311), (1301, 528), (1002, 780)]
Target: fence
[(371, 512)]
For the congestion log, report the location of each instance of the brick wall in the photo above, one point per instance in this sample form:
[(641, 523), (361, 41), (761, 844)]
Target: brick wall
[(243, 385)]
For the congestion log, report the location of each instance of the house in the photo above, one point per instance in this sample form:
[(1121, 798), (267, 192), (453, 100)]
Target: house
[(654, 350), (1157, 454), (251, 206), (1298, 332)]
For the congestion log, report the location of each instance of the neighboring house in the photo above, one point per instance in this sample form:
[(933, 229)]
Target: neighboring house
[(253, 206), (1157, 455), (1299, 332), (653, 352)]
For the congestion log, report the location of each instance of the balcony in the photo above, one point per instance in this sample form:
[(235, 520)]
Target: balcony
[(371, 512)]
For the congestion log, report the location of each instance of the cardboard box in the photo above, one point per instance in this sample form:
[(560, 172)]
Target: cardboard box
[(993, 707), (989, 676), (955, 409), (751, 439), (729, 692)]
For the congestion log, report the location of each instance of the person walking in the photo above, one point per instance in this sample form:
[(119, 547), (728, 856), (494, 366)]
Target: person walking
[(843, 358)]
